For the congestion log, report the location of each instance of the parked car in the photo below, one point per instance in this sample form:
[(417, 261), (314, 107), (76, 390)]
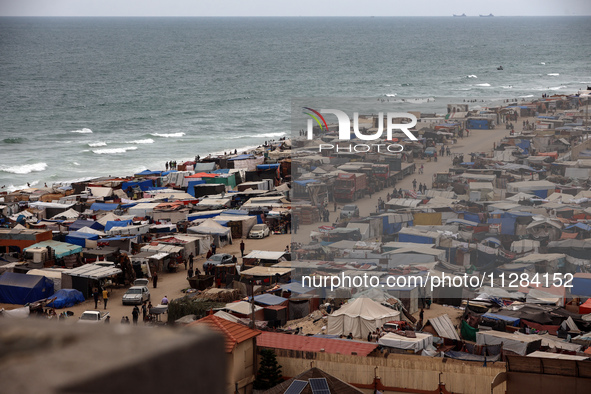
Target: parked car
[(136, 295), (349, 211), (141, 282), (219, 258), (259, 231), (93, 317)]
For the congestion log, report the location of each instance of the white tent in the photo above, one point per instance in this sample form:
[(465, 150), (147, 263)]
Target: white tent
[(422, 341), (360, 317), (221, 235), (69, 214)]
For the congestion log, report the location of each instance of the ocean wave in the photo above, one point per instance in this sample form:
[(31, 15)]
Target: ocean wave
[(529, 95), (113, 150), (97, 144), (391, 95), (169, 135), (16, 140), (543, 63), (25, 168), (486, 85), (263, 135), (146, 141), (507, 86), (557, 87), (75, 163), (553, 74), (471, 76), (82, 131)]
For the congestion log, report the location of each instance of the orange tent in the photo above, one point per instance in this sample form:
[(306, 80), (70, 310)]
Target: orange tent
[(585, 308), (203, 175)]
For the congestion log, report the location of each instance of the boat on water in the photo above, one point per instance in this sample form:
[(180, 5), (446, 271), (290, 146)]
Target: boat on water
[(459, 16), (487, 16)]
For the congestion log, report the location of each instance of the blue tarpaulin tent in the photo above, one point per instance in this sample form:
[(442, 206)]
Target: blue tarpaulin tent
[(269, 299), (148, 173), (514, 321), (117, 223), (143, 185), (66, 298), (99, 206), (23, 289), (241, 157), (78, 238), (78, 224)]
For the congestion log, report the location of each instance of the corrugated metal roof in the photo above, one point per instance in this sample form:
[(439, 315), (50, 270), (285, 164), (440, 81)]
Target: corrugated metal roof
[(444, 327)]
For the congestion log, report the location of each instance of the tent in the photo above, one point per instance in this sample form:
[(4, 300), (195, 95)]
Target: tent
[(221, 235), (360, 317), (24, 289), (420, 342), (66, 298), (585, 308)]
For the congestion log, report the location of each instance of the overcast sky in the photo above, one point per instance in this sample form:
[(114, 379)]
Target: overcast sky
[(292, 8)]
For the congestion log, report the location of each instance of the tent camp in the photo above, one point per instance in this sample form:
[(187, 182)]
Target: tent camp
[(221, 235), (360, 317), (24, 289)]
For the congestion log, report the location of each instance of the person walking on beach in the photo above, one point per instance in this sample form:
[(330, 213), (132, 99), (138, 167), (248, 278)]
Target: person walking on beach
[(105, 297), (136, 314), (242, 246), (155, 279)]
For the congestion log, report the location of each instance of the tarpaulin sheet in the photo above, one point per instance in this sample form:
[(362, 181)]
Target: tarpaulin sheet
[(66, 298), (23, 289), (468, 332), (117, 223), (427, 219), (415, 239)]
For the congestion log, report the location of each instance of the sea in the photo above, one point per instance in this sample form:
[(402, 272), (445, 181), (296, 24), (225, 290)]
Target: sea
[(89, 97)]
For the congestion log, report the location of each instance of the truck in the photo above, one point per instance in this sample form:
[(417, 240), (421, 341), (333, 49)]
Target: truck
[(93, 317), (350, 186), (441, 180), (383, 176)]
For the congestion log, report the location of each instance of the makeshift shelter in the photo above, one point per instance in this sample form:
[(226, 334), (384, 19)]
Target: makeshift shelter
[(221, 235), (518, 344), (24, 289), (66, 298), (419, 342), (360, 317)]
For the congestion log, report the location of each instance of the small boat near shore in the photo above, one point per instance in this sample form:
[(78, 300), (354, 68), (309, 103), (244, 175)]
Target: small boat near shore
[(459, 16), (487, 16)]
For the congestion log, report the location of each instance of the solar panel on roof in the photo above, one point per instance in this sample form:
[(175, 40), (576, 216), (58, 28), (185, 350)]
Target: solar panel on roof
[(296, 387), (319, 386)]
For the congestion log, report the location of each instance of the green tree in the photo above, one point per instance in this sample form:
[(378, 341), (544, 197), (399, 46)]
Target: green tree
[(269, 373)]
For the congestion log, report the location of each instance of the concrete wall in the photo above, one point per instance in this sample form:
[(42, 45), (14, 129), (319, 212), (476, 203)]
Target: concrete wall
[(242, 367), (397, 370)]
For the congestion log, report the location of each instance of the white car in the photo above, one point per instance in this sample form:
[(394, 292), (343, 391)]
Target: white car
[(136, 295), (259, 231)]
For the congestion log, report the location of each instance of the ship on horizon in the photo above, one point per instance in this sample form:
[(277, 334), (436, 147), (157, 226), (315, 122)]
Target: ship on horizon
[(459, 16), (487, 16)]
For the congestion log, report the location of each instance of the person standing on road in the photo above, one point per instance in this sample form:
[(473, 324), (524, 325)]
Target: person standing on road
[(414, 184), (95, 295), (155, 279), (144, 311), (242, 246), (105, 297), (136, 314), (191, 258)]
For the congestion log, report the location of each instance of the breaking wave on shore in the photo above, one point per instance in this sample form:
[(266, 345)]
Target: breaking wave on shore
[(24, 169)]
